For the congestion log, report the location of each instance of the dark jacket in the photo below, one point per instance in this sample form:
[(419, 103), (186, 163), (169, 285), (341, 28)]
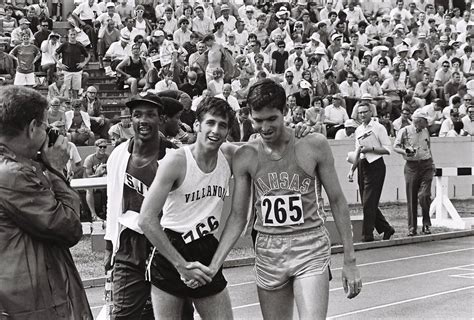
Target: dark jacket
[(39, 222)]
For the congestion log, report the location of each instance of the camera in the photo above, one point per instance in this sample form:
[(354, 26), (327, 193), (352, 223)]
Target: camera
[(53, 134), (410, 152)]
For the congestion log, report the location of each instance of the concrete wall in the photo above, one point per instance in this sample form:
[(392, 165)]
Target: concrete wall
[(447, 152)]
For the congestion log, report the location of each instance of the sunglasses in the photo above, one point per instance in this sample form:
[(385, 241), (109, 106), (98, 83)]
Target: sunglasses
[(352, 50), (102, 147)]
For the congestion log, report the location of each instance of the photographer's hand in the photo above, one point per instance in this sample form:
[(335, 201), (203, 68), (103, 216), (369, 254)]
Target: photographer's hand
[(57, 155)]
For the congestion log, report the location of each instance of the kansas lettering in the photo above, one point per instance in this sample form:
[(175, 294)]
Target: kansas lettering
[(283, 181)]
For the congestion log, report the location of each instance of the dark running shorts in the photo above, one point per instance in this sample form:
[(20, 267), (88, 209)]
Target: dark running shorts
[(164, 275)]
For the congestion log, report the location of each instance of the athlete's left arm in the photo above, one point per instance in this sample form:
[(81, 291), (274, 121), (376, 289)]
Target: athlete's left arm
[(327, 174)]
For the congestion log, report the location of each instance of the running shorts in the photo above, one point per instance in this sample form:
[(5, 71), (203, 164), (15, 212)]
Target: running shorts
[(279, 258), (164, 275)]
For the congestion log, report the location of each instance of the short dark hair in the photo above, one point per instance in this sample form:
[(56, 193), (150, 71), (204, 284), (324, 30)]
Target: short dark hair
[(266, 93), (18, 107), (216, 107), (456, 99)]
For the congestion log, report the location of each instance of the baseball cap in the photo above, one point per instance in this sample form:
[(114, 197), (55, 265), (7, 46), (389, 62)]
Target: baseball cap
[(249, 9), (148, 99), (315, 36), (100, 142), (225, 7), (345, 46), (24, 20), (110, 5), (399, 26), (386, 18)]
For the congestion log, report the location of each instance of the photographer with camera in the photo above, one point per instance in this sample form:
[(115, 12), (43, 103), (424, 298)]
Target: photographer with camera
[(413, 143), (39, 213)]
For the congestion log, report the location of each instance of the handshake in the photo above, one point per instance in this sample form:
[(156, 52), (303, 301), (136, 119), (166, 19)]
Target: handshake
[(195, 274)]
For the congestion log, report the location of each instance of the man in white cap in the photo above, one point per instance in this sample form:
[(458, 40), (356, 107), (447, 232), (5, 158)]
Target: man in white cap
[(249, 19), (413, 143), (228, 20), (110, 14), (335, 46), (303, 98), (348, 132), (118, 51), (15, 38), (341, 57), (380, 52)]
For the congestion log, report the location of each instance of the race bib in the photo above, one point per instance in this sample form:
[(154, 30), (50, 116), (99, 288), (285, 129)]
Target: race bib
[(203, 228), (282, 210)]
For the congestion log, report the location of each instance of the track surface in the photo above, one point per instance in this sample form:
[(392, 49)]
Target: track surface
[(431, 280)]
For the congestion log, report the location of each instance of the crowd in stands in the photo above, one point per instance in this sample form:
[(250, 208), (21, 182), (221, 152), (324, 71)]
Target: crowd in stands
[(330, 56)]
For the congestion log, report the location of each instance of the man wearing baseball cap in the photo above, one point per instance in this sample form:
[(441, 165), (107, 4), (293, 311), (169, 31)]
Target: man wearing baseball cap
[(413, 143), (130, 171), (24, 26)]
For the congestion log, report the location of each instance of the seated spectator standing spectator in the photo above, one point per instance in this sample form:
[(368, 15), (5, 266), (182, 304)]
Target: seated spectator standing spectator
[(26, 54), (92, 105), (350, 91), (122, 130), (74, 59), (468, 121), (402, 121), (425, 89), (451, 87), (227, 96), (16, 35), (191, 87), (78, 124), (302, 97), (133, 69), (435, 115), (57, 89), (7, 65), (394, 89), (118, 51), (107, 36), (42, 34), (48, 50), (95, 165), (348, 132), (448, 123), (74, 168), (245, 129), (335, 116), (55, 113)]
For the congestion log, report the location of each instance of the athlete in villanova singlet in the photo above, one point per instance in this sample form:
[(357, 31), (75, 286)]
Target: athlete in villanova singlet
[(189, 188), (292, 248)]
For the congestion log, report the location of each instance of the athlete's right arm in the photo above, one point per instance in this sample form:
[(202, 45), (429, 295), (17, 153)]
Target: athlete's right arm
[(237, 220), (168, 174)]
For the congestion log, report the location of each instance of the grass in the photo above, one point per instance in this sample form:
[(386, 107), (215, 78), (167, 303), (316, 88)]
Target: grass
[(90, 264)]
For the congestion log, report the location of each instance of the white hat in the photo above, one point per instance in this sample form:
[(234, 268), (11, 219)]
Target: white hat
[(158, 33), (249, 9), (399, 26), (350, 123), (367, 53), (335, 36), (305, 84), (383, 48), (421, 35), (420, 114), (402, 48), (386, 18), (125, 38), (366, 96), (315, 36), (110, 5), (320, 50), (282, 12), (345, 46)]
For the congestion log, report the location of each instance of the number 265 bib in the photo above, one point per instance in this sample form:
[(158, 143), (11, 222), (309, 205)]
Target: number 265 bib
[(282, 210)]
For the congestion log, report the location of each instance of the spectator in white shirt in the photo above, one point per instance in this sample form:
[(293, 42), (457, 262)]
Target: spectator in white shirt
[(202, 25), (334, 116), (348, 132), (226, 95), (468, 121), (110, 14), (183, 34), (228, 20), (434, 111)]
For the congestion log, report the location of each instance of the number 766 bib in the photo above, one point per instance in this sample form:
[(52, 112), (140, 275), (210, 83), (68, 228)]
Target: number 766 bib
[(282, 210)]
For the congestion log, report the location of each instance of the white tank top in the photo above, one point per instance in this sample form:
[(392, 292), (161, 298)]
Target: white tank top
[(195, 207)]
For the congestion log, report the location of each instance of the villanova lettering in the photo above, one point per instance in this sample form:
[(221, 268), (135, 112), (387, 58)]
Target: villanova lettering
[(283, 181), (136, 184), (210, 191)]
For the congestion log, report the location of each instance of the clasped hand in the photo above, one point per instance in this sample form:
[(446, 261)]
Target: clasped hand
[(195, 274)]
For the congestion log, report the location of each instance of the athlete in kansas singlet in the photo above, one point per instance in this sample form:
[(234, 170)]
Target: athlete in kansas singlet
[(292, 248)]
